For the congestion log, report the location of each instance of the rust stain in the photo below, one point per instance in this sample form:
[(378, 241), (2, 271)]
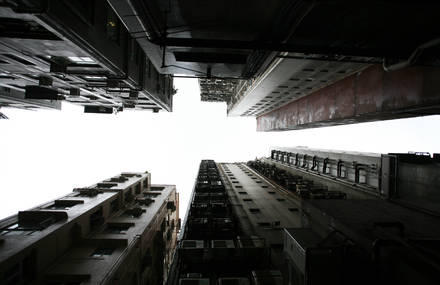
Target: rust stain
[(370, 95)]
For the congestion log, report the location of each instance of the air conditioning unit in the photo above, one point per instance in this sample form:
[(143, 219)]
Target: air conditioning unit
[(135, 212), (192, 251), (194, 281), (119, 179), (224, 251), (233, 281), (106, 185), (222, 244), (98, 109), (144, 201), (264, 277), (87, 192), (192, 244)]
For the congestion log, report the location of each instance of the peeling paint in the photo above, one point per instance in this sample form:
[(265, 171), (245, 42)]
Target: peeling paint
[(368, 96)]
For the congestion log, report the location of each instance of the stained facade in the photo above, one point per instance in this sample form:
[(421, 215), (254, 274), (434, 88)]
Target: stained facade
[(122, 230)]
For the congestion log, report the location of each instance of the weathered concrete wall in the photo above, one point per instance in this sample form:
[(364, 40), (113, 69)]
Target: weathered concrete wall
[(369, 95)]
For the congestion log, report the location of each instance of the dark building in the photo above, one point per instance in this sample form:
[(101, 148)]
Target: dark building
[(79, 52), (292, 64), (221, 241), (121, 230), (384, 231), (308, 216), (319, 63)]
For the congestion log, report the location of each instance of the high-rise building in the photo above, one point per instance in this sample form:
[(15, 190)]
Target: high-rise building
[(296, 93), (78, 52), (122, 230), (292, 64), (323, 64), (308, 216), (227, 237)]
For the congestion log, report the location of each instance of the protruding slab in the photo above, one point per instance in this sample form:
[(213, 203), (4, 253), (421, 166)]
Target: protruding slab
[(369, 95)]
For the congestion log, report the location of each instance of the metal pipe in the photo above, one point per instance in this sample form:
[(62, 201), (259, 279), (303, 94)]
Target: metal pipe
[(413, 57)]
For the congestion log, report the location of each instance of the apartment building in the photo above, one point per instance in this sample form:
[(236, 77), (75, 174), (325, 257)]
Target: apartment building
[(310, 216), (122, 230), (77, 52)]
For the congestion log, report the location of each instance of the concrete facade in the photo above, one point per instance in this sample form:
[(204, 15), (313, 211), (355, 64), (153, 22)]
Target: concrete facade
[(287, 78), (312, 216), (122, 229), (231, 234), (55, 51), (408, 179), (371, 94), (380, 232)]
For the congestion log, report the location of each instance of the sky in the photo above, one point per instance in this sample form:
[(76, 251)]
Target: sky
[(44, 154)]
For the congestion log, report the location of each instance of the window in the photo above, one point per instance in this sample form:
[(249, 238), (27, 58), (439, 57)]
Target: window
[(128, 196), (293, 209), (242, 192), (271, 192), (96, 219), (171, 206), (137, 188), (264, 224), (264, 186), (247, 200), (139, 53), (29, 266), (12, 275), (83, 60), (147, 260), (113, 26), (149, 68), (238, 186), (114, 205), (254, 210), (102, 251), (23, 272), (281, 199)]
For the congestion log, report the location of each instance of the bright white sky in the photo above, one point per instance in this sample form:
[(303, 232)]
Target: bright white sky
[(45, 154)]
